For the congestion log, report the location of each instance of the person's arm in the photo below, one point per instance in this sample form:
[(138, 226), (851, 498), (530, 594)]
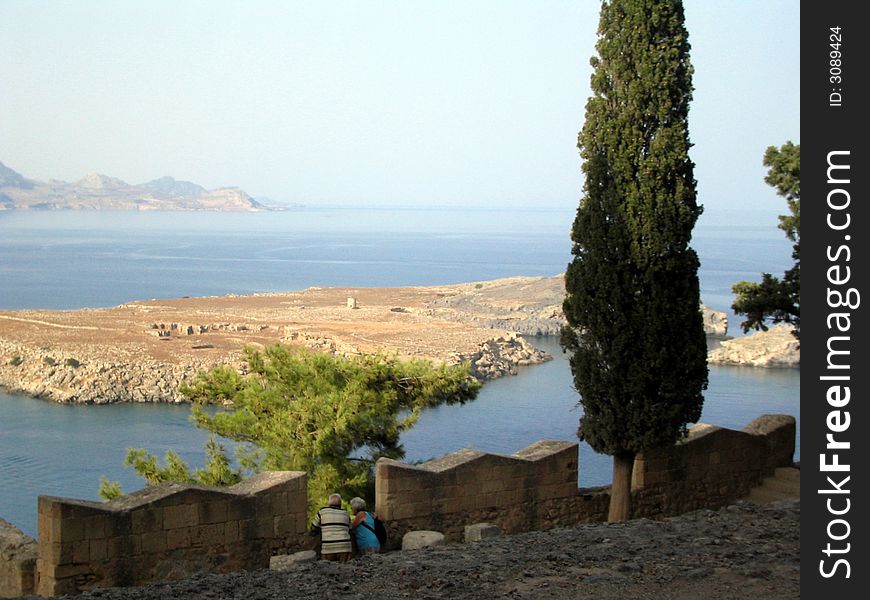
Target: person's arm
[(315, 524), (358, 519)]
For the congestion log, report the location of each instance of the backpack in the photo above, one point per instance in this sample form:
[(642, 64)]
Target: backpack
[(380, 530)]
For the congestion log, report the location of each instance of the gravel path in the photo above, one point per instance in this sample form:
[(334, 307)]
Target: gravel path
[(742, 551)]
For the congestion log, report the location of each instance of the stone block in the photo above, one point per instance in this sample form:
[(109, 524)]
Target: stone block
[(263, 506), (178, 538), (465, 503), (68, 530), (414, 540), (284, 525), (404, 511), (467, 476), (505, 472), (410, 483), (47, 527), (98, 526), (491, 500), (472, 488), (231, 532), (239, 509), (64, 571), (301, 522), (124, 546), (146, 520), (481, 531), (213, 512), (279, 503), (56, 553), (247, 529), (297, 502), (153, 542), (264, 528), (120, 525), (208, 536), (446, 505), (180, 515), (98, 550), (287, 562), (423, 497), (81, 551)]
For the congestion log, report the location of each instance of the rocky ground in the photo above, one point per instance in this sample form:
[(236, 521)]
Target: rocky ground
[(743, 551)]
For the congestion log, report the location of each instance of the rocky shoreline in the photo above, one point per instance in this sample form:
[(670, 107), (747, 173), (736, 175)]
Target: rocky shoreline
[(742, 551), (776, 347)]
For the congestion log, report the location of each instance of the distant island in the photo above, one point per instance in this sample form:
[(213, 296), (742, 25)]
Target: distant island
[(101, 192)]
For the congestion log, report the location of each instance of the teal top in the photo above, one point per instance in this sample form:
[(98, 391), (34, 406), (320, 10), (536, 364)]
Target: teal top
[(365, 537)]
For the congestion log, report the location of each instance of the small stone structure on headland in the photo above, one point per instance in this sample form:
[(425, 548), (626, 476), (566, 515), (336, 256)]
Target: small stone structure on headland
[(173, 531)]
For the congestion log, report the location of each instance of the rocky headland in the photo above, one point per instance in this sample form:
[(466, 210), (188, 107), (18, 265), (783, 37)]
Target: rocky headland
[(141, 351), (776, 347), (101, 192)]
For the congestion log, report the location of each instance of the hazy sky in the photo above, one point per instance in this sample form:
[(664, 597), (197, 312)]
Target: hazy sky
[(374, 103)]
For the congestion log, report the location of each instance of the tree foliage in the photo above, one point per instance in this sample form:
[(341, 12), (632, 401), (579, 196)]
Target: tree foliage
[(774, 299), (299, 410), (636, 337)]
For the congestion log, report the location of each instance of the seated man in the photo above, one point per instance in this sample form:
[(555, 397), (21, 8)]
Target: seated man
[(333, 523)]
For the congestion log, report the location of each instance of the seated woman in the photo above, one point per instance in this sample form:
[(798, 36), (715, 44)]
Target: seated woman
[(363, 528)]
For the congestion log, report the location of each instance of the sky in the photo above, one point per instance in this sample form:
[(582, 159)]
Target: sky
[(391, 103)]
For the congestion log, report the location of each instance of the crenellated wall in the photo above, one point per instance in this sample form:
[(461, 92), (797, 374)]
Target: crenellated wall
[(711, 467), (519, 492), (169, 531), (536, 488)]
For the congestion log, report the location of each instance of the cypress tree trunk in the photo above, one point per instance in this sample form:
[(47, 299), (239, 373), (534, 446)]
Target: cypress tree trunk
[(620, 489)]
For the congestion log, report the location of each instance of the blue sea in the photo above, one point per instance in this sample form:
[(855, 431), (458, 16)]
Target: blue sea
[(70, 260)]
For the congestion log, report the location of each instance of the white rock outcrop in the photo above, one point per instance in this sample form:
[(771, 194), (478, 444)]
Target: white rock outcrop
[(776, 347)]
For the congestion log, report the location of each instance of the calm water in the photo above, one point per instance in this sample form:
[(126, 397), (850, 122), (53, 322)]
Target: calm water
[(73, 260)]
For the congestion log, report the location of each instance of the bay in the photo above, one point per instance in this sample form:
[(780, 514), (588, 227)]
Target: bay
[(91, 259)]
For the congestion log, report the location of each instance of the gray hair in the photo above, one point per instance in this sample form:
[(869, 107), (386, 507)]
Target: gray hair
[(335, 500), (358, 504)]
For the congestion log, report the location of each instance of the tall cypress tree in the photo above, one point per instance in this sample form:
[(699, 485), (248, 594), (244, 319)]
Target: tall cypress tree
[(636, 334)]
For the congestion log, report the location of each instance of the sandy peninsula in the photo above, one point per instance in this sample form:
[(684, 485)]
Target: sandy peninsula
[(141, 351)]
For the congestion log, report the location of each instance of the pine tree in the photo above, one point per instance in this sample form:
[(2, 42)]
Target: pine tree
[(635, 334), (299, 410), (778, 300)]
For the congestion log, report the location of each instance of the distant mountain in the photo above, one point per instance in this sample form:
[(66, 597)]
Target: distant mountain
[(95, 181), (101, 192), (169, 187), (9, 178)]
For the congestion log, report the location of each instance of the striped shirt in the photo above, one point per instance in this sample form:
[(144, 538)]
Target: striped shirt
[(334, 526)]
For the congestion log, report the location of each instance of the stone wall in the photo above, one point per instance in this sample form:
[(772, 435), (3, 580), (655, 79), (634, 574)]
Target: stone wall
[(712, 467), (169, 531), (17, 562), (517, 492), (536, 488)]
